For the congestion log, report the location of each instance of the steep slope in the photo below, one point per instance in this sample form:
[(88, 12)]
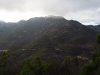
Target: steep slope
[(26, 31), (67, 38), (49, 37), (5, 32)]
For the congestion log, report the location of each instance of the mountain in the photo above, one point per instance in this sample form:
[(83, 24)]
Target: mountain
[(96, 28), (51, 37)]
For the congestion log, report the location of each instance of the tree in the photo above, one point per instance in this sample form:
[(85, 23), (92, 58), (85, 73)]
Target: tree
[(93, 67), (3, 59), (36, 67), (27, 70), (98, 39)]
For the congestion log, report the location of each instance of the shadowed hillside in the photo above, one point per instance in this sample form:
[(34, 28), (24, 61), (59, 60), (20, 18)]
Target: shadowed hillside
[(50, 37), (96, 28)]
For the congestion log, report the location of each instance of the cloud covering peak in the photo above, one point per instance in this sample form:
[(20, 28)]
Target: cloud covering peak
[(82, 10)]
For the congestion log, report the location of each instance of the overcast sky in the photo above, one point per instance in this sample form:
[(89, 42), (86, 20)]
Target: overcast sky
[(84, 11)]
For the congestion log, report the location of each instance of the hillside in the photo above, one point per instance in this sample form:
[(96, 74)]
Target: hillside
[(50, 37), (96, 28)]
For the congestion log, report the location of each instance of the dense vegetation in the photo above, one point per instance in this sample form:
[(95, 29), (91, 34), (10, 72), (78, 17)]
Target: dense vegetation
[(49, 37), (93, 67), (9, 65), (35, 66), (48, 46)]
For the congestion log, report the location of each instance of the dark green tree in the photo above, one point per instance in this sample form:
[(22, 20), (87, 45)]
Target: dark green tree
[(98, 39), (93, 67), (3, 59), (27, 68), (36, 67)]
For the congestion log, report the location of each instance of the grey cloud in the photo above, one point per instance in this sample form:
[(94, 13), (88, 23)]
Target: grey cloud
[(71, 9), (48, 5), (11, 5)]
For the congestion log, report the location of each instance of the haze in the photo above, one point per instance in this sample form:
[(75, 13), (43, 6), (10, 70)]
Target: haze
[(84, 11)]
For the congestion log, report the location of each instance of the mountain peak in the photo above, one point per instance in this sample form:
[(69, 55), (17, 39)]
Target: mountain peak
[(48, 17), (47, 36), (54, 17)]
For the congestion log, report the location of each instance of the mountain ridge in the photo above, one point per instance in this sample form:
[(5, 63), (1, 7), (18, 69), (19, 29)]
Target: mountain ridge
[(48, 37), (96, 27)]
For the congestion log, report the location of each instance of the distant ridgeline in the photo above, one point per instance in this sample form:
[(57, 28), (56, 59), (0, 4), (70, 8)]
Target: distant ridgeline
[(96, 28)]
